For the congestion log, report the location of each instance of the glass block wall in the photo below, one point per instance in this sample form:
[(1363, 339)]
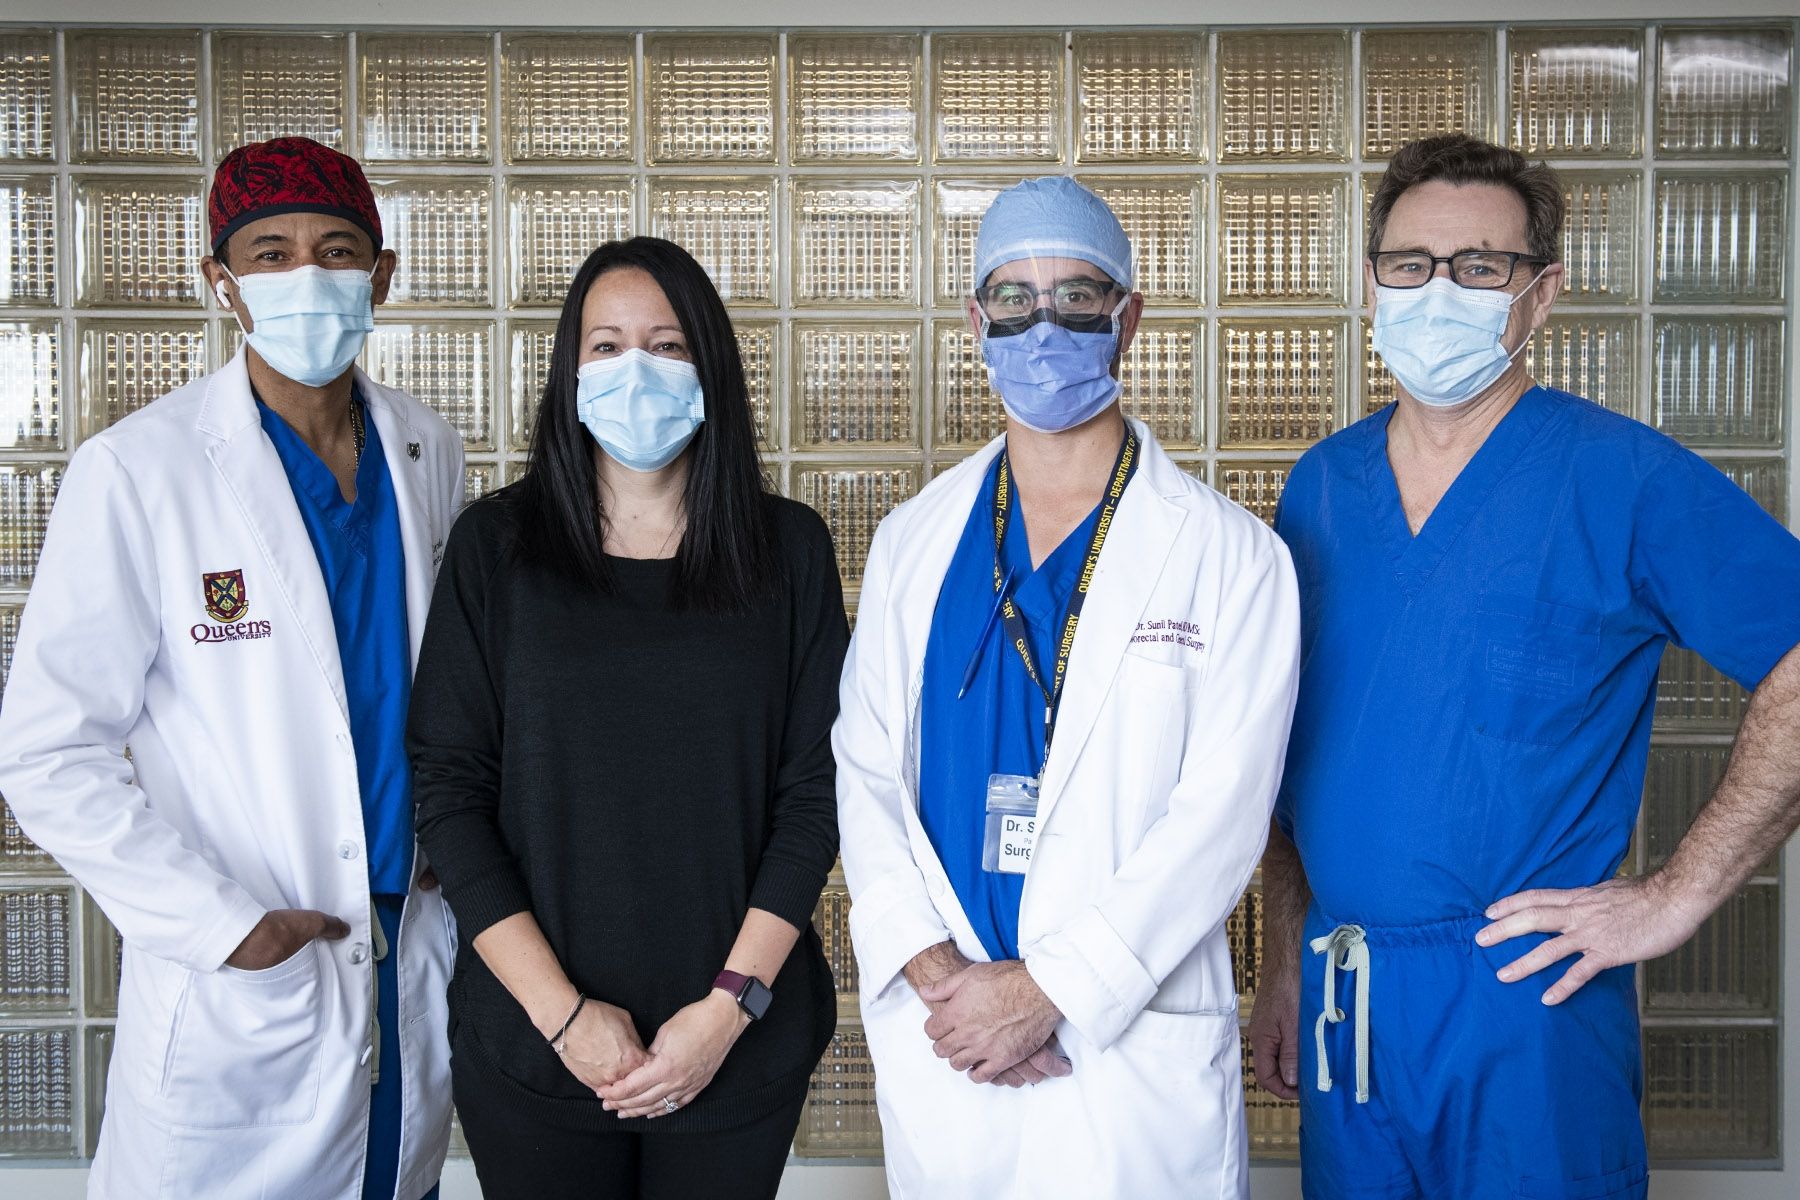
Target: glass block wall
[(832, 183)]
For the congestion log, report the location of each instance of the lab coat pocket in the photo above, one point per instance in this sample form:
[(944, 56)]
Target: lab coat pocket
[(1532, 673), (246, 1045)]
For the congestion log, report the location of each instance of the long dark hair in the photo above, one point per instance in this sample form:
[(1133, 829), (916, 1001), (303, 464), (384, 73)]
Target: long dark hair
[(725, 560)]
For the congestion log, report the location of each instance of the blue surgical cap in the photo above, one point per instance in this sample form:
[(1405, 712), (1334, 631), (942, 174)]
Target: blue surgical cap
[(1052, 217)]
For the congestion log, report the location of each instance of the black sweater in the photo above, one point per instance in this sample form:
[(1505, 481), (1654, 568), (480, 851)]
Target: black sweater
[(637, 776)]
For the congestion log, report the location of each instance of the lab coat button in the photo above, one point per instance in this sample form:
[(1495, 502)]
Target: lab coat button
[(359, 954), (347, 851), (937, 885)]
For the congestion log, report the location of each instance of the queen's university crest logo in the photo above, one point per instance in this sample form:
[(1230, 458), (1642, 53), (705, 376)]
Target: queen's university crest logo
[(226, 599)]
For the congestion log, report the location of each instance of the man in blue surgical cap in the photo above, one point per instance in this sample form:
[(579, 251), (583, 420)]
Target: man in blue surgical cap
[(1063, 719)]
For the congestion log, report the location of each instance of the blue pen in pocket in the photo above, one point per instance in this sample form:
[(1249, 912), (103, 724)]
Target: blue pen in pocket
[(968, 680)]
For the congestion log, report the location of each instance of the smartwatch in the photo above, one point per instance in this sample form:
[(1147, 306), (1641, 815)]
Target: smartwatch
[(751, 996)]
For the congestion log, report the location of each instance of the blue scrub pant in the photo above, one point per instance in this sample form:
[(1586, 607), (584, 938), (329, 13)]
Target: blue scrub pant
[(1478, 1090), (383, 1166)]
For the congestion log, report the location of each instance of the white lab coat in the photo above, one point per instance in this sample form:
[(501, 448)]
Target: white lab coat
[(1154, 809), (240, 795)]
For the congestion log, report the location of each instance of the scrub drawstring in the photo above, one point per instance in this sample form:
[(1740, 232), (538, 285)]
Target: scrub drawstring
[(1345, 948), (378, 935)]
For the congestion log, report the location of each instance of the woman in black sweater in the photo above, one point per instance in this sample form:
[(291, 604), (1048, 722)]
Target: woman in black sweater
[(620, 735)]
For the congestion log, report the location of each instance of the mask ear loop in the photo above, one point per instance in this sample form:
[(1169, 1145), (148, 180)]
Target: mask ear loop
[(1534, 280)]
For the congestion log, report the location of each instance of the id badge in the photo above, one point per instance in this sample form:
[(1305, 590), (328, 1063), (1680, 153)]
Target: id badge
[(1012, 804)]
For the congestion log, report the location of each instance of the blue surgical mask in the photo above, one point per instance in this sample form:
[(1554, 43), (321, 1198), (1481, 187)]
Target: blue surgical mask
[(643, 410), (1442, 342), (310, 323), (1051, 377)]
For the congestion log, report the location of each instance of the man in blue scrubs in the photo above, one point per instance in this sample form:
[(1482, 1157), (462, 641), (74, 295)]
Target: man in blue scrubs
[(1489, 571)]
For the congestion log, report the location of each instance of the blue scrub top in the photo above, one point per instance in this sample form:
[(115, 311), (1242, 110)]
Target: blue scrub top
[(1475, 702), (364, 566), (998, 727)]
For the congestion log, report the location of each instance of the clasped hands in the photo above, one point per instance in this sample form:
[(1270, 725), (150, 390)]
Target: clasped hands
[(990, 1020), (603, 1051)]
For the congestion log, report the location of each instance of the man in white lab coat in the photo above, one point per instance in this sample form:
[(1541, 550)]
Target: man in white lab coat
[(1063, 721), (204, 716)]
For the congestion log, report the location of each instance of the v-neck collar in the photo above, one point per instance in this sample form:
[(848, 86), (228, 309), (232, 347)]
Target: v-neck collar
[(317, 478), (1416, 556)]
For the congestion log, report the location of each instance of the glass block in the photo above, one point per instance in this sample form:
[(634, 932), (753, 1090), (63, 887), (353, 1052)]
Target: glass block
[(1255, 485), (1161, 377), (1678, 781), (1731, 966), (18, 852), (1576, 92), (728, 224), (1243, 931), (103, 956), (1720, 238), (99, 1062), (439, 228), (424, 97), (27, 94), (127, 364), (998, 97), (138, 241), (1711, 1093), (1283, 239), (459, 1145), (832, 919), (445, 364), (31, 413), (968, 412), (840, 1119), (1377, 384), (553, 224), (37, 968), (134, 95), (27, 490), (527, 371), (479, 479), (1592, 356), (853, 499), (1720, 381), (854, 97), (1417, 83), (1272, 1123), (270, 85), (9, 637), (1284, 96), (28, 229), (956, 211), (1279, 381), (1601, 228), (1140, 97), (1692, 694), (856, 241), (1163, 217), (712, 98), (567, 97), (756, 342), (1764, 478), (857, 383), (1723, 92), (37, 1093)]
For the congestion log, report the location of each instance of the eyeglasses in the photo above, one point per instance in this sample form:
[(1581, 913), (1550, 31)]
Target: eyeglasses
[(1069, 298), (1469, 268)]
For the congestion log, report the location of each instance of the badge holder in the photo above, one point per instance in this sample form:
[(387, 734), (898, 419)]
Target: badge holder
[(1012, 805)]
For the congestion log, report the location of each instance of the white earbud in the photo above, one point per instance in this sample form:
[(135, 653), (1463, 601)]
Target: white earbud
[(219, 291)]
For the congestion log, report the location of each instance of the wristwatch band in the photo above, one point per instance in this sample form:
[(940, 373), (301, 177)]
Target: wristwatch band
[(750, 993)]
